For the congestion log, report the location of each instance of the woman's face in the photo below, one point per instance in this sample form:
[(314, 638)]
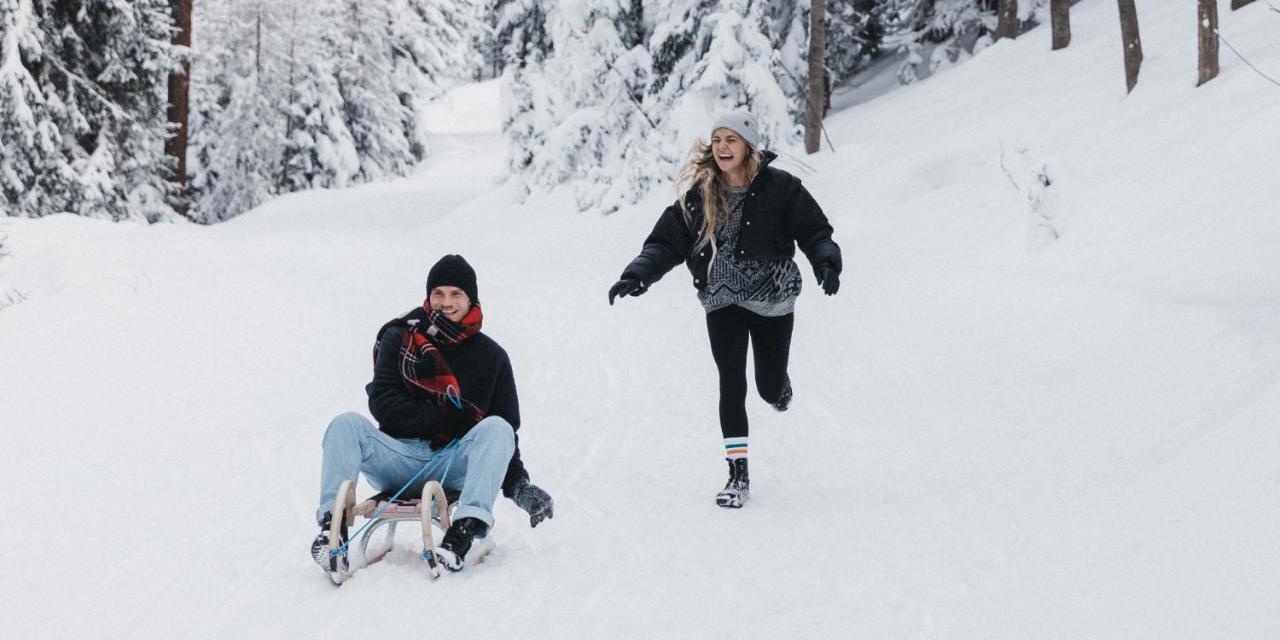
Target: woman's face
[(729, 150)]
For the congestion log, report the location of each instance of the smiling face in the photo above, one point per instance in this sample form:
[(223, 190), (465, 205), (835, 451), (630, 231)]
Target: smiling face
[(730, 152), (451, 301)]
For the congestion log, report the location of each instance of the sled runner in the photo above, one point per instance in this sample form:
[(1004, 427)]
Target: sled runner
[(433, 509)]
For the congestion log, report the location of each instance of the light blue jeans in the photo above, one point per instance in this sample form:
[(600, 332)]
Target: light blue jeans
[(476, 465)]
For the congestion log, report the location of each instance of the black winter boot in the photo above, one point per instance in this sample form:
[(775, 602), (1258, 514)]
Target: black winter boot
[(320, 546), (457, 542), (738, 489), (784, 402)]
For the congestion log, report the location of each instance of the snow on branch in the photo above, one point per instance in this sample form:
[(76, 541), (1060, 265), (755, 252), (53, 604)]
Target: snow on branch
[(12, 296), (1043, 225)]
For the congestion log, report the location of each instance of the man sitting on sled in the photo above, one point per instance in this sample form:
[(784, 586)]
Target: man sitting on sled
[(445, 399)]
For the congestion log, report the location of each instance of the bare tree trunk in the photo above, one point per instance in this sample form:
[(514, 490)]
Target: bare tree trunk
[(1007, 27), (1132, 43), (283, 180), (1236, 4), (175, 146), (1060, 16), (1208, 22), (257, 47), (817, 76), (826, 93)]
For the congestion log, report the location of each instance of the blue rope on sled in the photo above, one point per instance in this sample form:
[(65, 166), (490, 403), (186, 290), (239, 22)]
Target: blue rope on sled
[(454, 396), (342, 550)]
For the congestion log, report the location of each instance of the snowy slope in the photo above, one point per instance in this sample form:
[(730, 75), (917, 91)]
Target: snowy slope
[(996, 434)]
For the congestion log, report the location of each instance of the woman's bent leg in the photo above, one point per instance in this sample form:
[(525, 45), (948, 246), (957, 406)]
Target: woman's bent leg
[(771, 348)]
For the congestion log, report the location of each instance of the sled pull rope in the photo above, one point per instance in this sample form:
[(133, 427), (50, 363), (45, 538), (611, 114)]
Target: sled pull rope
[(342, 550)]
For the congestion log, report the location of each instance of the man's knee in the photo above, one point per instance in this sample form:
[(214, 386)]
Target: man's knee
[(494, 430), (346, 426)]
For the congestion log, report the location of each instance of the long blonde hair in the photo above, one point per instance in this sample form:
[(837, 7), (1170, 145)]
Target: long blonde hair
[(702, 172)]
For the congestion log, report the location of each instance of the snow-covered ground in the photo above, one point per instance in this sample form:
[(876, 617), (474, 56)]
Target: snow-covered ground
[(996, 433)]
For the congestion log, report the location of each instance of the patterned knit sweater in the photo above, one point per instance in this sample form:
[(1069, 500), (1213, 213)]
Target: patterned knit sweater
[(769, 288)]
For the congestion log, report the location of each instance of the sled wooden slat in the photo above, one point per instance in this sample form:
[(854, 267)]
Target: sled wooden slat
[(383, 512), (437, 505)]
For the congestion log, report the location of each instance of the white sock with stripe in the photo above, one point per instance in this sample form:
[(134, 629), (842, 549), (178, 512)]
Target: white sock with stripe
[(735, 448)]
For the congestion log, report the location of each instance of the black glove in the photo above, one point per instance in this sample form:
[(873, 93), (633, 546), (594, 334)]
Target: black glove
[(534, 501), (829, 278), (452, 423), (625, 287)]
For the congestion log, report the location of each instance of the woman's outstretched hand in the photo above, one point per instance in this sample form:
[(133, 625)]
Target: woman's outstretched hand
[(829, 278), (625, 287)]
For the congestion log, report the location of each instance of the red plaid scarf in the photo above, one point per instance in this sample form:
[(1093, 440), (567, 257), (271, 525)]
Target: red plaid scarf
[(422, 366)]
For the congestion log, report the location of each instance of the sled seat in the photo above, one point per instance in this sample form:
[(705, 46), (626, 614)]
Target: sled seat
[(403, 508), (407, 507)]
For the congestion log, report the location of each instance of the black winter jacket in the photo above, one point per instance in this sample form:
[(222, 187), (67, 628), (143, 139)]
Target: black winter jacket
[(484, 375), (778, 214)]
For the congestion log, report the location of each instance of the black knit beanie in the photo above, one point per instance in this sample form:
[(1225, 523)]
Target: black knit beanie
[(453, 271)]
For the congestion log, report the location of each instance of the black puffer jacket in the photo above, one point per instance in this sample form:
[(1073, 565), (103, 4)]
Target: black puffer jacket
[(484, 375), (778, 214)]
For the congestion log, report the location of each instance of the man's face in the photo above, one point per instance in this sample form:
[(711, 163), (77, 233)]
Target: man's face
[(451, 301)]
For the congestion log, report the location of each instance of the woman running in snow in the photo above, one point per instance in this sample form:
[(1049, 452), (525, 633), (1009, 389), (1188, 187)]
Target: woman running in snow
[(736, 228)]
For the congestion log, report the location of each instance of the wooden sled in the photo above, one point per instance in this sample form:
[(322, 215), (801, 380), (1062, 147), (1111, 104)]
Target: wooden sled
[(438, 514)]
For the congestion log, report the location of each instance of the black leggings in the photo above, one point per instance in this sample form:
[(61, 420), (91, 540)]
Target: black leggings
[(729, 329)]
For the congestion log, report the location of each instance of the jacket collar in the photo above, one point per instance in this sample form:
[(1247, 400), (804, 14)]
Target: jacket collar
[(768, 157)]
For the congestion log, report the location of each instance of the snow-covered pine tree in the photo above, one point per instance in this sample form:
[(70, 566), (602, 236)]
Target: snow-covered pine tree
[(523, 115), (82, 120), (521, 30), (297, 94), (136, 74), (485, 41), (936, 34), (630, 20), (939, 33), (600, 135), (210, 92), (242, 174), (855, 31), (711, 57), (680, 37), (364, 67), (34, 174), (615, 118), (526, 43), (318, 149), (790, 36), (431, 43), (238, 123)]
